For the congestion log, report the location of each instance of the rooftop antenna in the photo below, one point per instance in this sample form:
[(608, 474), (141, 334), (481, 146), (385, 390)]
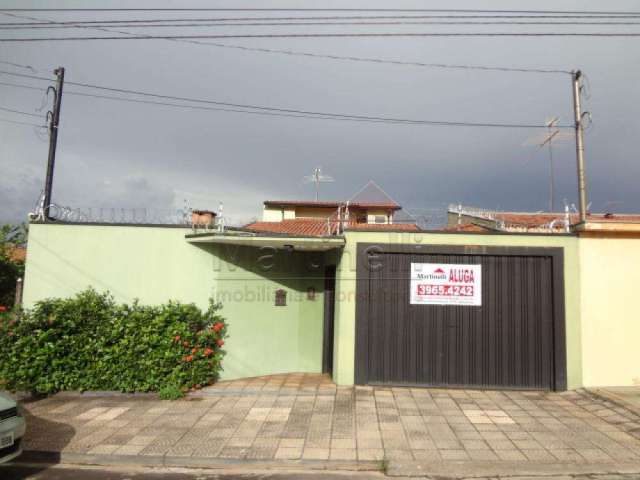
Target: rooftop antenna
[(554, 134), (318, 177)]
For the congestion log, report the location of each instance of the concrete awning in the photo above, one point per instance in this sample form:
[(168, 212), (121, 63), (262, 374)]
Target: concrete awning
[(316, 244)]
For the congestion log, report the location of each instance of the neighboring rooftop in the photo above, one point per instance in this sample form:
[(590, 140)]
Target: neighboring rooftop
[(324, 227), (296, 226), (331, 204), (463, 218)]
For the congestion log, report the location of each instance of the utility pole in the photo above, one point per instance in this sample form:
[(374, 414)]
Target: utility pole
[(54, 121), (577, 113)]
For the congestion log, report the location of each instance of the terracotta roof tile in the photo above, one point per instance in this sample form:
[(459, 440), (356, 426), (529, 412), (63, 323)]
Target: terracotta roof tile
[(466, 227), (330, 204), (408, 227), (297, 226), (317, 228)]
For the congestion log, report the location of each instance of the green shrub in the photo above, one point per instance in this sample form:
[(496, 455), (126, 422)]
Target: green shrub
[(170, 392), (89, 342)]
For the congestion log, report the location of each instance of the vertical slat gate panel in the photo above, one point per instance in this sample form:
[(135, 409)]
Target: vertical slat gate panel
[(506, 342)]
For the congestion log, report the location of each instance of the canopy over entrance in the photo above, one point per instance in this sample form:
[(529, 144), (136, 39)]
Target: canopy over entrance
[(284, 242)]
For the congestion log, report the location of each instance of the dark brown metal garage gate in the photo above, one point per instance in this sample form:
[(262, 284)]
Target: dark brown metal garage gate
[(516, 339)]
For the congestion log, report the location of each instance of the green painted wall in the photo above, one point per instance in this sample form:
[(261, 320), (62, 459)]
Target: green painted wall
[(156, 264), (344, 346)]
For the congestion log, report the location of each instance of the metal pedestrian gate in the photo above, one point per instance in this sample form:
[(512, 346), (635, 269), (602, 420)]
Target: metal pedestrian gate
[(460, 316)]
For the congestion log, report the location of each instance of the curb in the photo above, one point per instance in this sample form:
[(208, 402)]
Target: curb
[(490, 469), (451, 470), (36, 457), (607, 395)]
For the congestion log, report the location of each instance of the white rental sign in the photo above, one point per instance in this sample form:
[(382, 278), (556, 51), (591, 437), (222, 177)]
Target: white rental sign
[(445, 284)]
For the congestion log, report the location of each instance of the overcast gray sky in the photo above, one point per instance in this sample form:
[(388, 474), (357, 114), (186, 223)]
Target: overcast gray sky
[(115, 154)]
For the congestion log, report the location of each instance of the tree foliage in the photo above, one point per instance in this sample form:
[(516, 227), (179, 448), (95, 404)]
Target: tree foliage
[(11, 236)]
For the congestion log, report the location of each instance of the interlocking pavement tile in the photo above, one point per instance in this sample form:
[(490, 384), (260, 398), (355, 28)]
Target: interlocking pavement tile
[(343, 454), (342, 443), (221, 432), (494, 436), (209, 450), (369, 433), (501, 444), (567, 455), (518, 435), (510, 455), (142, 440), (288, 453), (398, 454), (420, 444), (91, 413), (453, 454), (318, 442), (487, 427), (154, 450), (106, 449), (260, 453), (129, 450), (120, 439), (370, 454), (315, 453), (475, 445), (447, 444), (471, 435), (426, 455), (482, 455), (527, 444), (181, 451), (291, 443), (112, 413), (538, 455), (240, 441)]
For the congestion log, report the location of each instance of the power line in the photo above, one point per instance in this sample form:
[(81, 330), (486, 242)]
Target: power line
[(248, 108), (18, 65), (18, 85), (303, 23), (431, 10), (327, 35), (17, 122), (336, 57), (43, 22), (21, 112)]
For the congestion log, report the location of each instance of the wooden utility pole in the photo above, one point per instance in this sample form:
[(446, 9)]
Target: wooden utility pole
[(54, 122), (577, 113)]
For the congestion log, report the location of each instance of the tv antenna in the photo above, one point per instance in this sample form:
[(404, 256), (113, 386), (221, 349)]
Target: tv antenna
[(318, 177), (554, 134)]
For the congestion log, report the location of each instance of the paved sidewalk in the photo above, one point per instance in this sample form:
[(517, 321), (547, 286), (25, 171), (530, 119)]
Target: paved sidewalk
[(300, 417)]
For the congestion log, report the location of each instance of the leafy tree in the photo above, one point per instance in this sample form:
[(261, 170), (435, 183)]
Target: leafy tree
[(11, 236)]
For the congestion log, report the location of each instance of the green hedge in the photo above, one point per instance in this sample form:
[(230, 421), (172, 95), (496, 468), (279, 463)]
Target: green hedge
[(89, 342)]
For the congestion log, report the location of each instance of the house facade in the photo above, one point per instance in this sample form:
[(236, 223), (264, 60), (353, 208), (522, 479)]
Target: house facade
[(313, 287)]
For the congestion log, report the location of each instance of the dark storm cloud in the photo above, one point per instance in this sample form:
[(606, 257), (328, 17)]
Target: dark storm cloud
[(132, 155)]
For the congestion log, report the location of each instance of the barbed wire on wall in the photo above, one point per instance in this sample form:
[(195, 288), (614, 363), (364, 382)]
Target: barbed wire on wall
[(112, 215)]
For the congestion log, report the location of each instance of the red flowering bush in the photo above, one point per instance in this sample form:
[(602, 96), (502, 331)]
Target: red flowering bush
[(89, 342)]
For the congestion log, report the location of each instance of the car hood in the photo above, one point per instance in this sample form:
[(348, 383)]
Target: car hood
[(6, 401)]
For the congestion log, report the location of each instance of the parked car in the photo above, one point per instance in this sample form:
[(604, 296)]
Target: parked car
[(12, 428)]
